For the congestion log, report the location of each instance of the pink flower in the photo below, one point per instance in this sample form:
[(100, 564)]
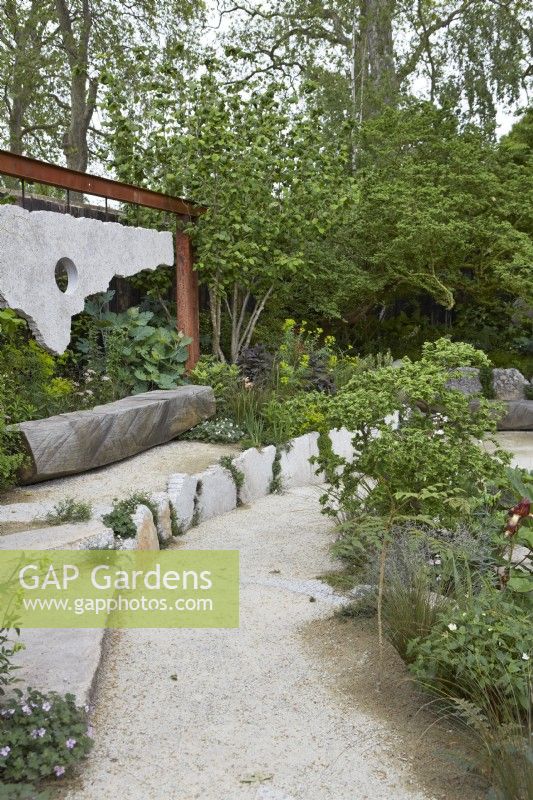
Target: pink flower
[(59, 771), (70, 744)]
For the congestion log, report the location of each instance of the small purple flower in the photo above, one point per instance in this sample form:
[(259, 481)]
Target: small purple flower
[(7, 712), (70, 744), (38, 733), (47, 706), (59, 771), (26, 710), (5, 751), (90, 732)]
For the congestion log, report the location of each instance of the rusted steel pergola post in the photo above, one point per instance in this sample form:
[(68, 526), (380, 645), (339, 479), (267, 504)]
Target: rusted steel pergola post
[(188, 319)]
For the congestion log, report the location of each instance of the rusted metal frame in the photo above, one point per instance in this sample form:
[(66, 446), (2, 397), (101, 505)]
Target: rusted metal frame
[(187, 307), (30, 169)]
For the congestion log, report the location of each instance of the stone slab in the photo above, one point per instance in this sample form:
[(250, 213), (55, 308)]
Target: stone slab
[(61, 660), (31, 245), (216, 493), (164, 522), (72, 536), (76, 442), (519, 416), (146, 538), (295, 467), (341, 443), (256, 466), (181, 490)]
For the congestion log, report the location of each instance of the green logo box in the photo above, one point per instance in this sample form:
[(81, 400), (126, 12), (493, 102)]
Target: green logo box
[(119, 589)]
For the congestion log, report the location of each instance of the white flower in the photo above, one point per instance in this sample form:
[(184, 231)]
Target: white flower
[(452, 626), (525, 657), (26, 709), (5, 751)]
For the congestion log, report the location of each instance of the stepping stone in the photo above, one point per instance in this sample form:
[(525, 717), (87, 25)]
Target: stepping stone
[(72, 536)]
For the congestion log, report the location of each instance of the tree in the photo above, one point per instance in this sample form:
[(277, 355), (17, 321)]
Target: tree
[(53, 54), (476, 52), (27, 62), (267, 176)]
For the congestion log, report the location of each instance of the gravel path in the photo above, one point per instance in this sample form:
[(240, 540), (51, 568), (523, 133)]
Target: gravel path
[(248, 713)]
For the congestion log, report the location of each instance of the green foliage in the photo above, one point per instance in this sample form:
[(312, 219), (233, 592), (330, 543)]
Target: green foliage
[(8, 648), (41, 735), (130, 352), (429, 466), (224, 379), (222, 429), (119, 519), (481, 645), (486, 380), (236, 474), (69, 510)]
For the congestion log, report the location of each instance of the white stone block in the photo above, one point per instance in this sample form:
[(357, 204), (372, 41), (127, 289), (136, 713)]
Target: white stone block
[(146, 538), (216, 493), (296, 469), (341, 443), (181, 490), (164, 524), (256, 466), (91, 253)]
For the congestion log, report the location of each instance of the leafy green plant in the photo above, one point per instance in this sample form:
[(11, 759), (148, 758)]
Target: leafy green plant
[(41, 735), (220, 429), (482, 645), (120, 520), (224, 379), (236, 474), (69, 510), (130, 350), (528, 391)]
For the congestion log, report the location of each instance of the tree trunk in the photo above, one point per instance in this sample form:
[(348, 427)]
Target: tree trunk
[(374, 75)]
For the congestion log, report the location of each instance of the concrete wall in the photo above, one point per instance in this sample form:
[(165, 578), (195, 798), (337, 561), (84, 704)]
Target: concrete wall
[(92, 252)]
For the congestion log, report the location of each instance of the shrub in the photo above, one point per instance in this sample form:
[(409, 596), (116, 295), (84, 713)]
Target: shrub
[(41, 735), (69, 510), (120, 519), (220, 429), (480, 647), (131, 349), (224, 379)]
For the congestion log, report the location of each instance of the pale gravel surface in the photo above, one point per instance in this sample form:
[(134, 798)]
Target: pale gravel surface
[(146, 472), (247, 702)]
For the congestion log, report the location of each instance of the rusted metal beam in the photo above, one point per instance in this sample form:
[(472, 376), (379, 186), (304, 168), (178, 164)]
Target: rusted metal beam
[(187, 312), (30, 169)]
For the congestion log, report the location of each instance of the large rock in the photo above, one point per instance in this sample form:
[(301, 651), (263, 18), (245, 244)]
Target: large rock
[(82, 440), (508, 384), (465, 380), (519, 416), (296, 468)]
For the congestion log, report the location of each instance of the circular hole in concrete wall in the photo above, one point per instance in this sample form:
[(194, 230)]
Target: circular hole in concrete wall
[(66, 275)]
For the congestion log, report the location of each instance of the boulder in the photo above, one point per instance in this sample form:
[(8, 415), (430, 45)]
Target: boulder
[(508, 384), (76, 442), (465, 380), (519, 416)]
